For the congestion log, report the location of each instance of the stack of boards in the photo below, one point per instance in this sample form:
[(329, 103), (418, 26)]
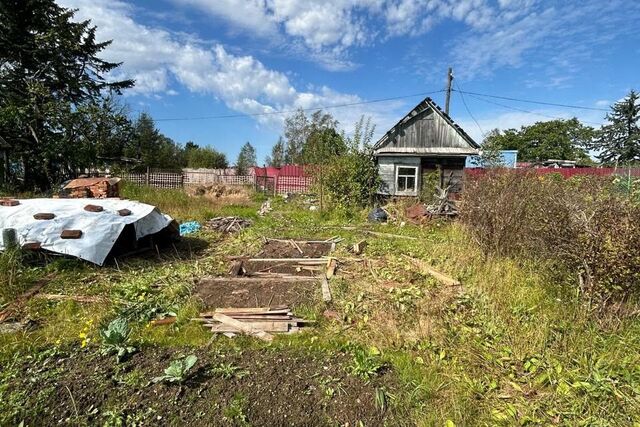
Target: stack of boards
[(256, 321)]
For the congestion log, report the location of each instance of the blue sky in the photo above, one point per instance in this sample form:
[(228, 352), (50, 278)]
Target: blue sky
[(193, 59)]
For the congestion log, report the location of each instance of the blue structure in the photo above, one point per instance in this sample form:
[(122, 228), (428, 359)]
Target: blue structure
[(509, 159)]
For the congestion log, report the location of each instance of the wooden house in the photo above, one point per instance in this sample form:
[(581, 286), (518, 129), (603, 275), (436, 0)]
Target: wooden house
[(425, 141)]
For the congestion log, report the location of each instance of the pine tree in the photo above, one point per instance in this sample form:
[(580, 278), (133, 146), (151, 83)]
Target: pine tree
[(619, 140), (246, 159), (50, 70), (277, 154)]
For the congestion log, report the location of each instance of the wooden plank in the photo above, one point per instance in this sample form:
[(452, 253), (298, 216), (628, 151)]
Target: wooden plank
[(248, 310), (262, 326), (308, 261), (326, 291), (359, 247), (441, 277), (243, 327), (395, 236), (77, 298), (331, 269), (259, 278)]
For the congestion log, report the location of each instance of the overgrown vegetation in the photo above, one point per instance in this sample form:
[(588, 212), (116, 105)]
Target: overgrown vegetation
[(584, 225), (507, 347)]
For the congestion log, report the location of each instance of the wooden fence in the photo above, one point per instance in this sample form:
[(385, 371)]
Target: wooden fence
[(265, 184)]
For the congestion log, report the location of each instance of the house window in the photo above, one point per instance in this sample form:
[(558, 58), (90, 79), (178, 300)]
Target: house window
[(406, 179)]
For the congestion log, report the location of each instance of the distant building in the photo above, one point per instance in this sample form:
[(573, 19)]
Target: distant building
[(424, 141)]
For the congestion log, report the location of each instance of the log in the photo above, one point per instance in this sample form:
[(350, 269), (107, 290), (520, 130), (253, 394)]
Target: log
[(243, 327)]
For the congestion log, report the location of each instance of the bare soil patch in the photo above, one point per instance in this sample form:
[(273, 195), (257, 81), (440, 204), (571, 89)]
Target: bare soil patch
[(257, 294), (267, 388)]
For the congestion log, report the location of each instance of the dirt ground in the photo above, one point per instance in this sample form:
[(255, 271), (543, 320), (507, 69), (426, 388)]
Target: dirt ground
[(282, 249), (265, 388), (265, 293), (269, 293)]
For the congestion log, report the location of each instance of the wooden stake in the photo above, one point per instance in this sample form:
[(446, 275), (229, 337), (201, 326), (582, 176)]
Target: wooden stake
[(326, 291)]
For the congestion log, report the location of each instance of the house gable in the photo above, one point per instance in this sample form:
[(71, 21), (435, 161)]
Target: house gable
[(426, 131)]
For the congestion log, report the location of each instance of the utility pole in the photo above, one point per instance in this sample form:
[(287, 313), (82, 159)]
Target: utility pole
[(449, 81)]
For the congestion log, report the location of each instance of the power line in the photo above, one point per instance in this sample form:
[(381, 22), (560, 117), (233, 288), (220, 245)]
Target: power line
[(272, 113), (506, 98), (468, 110), (527, 111)]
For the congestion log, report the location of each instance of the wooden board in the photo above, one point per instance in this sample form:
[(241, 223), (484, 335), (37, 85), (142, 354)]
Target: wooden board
[(263, 326), (326, 291), (243, 327)]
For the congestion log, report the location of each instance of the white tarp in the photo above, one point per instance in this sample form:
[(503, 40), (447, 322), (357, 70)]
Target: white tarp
[(100, 230)]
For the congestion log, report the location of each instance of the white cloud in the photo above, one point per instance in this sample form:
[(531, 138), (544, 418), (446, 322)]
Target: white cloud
[(157, 59)]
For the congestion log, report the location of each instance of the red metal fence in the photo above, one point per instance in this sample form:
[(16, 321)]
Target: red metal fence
[(565, 172)]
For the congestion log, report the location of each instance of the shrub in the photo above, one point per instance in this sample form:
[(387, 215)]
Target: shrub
[(352, 179), (584, 225)]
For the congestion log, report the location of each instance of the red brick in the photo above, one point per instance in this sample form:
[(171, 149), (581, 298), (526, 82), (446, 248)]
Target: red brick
[(9, 202), (71, 234), (44, 216), (33, 246), (93, 208)]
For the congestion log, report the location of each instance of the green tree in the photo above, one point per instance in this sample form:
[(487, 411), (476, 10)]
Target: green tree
[(277, 154), (554, 139), (50, 70), (205, 157), (246, 159), (619, 140), (352, 179), (152, 148), (298, 128)]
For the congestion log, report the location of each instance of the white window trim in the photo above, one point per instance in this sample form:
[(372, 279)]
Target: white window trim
[(415, 185)]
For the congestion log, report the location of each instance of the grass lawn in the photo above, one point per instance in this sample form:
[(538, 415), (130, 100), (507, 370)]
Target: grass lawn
[(394, 347)]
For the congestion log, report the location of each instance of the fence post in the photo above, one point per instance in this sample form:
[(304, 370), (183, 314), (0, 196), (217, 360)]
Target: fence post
[(147, 177)]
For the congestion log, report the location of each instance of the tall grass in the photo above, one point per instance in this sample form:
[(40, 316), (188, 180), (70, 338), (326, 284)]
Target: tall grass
[(12, 282), (182, 206)]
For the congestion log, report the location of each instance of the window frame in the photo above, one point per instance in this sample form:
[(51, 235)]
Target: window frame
[(407, 192)]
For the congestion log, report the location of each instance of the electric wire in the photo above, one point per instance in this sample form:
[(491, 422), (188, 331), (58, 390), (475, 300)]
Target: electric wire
[(272, 113)]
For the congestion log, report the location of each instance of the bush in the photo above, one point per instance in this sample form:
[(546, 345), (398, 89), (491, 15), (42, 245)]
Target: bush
[(352, 180), (584, 225)]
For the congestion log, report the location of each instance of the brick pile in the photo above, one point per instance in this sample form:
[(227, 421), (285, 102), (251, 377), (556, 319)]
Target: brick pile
[(98, 188)]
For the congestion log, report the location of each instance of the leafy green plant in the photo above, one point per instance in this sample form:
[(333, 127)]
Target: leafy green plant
[(236, 411), (366, 363), (405, 298), (228, 371), (178, 370), (115, 337)]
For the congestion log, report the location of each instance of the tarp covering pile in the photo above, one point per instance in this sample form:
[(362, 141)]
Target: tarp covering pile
[(100, 230)]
